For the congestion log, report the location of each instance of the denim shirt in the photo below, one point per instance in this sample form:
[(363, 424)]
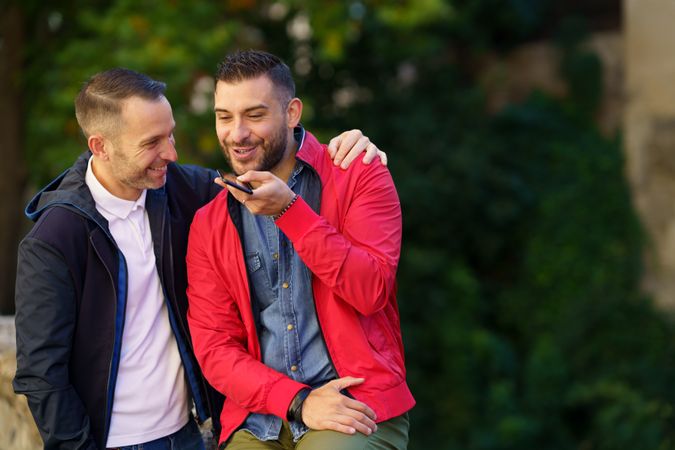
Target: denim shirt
[(288, 328)]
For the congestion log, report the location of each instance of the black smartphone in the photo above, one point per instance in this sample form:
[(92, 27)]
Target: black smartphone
[(241, 187)]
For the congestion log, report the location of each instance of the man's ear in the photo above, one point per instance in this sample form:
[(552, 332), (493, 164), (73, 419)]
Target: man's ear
[(294, 112), (97, 145)]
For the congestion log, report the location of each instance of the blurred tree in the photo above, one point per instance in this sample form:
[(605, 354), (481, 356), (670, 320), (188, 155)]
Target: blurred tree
[(13, 182)]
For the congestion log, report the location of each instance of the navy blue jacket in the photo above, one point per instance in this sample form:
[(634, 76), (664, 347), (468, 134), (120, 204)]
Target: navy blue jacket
[(71, 298)]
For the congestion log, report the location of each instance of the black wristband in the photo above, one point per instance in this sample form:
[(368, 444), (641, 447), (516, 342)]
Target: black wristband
[(295, 409)]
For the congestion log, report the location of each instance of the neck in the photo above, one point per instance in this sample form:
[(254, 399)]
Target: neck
[(284, 169)]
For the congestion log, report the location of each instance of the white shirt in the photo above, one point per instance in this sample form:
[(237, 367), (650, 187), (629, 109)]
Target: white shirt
[(150, 399)]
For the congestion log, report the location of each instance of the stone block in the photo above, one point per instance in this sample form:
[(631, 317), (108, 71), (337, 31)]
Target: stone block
[(18, 430)]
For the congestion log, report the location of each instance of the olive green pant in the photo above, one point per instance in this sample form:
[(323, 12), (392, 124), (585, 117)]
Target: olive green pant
[(390, 435)]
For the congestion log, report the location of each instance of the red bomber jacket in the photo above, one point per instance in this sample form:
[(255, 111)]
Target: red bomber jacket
[(352, 249)]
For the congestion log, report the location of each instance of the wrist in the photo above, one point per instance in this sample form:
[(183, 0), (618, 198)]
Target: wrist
[(287, 207), (295, 408)]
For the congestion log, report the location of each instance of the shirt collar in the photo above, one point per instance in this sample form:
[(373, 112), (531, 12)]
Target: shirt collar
[(116, 206), (296, 171)]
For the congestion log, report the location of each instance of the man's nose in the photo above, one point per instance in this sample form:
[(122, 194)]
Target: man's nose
[(169, 152), (240, 132)]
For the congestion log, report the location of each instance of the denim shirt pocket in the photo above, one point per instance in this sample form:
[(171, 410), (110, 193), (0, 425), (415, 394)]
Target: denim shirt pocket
[(260, 283)]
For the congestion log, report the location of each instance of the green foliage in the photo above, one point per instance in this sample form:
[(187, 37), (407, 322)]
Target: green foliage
[(519, 278), (123, 33)]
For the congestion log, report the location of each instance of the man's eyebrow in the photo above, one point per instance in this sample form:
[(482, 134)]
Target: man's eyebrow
[(154, 138), (149, 140), (249, 109)]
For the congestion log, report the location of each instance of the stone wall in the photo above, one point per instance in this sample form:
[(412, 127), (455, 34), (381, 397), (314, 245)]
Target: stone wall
[(639, 97), (18, 431), (649, 130), (512, 77)]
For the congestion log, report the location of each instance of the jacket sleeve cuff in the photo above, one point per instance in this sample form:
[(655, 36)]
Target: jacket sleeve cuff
[(297, 220), (281, 396)]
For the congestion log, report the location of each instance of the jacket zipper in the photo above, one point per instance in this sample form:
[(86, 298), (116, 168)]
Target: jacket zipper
[(108, 403), (173, 304)]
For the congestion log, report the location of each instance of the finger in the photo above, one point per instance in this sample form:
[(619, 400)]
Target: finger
[(333, 145), (360, 426), (360, 408), (383, 157), (371, 153), (253, 175), (337, 426), (246, 177), (345, 382), (355, 151), (349, 139), (360, 421), (237, 194), (351, 423)]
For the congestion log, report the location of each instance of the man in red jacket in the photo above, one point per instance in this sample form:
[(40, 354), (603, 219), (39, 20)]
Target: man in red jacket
[(292, 285)]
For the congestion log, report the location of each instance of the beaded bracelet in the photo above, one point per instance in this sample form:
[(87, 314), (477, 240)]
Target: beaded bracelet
[(287, 207)]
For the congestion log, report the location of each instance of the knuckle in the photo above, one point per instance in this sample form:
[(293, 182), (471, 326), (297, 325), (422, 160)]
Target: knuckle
[(353, 422)]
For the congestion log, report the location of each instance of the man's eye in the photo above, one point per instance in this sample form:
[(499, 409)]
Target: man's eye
[(255, 116)]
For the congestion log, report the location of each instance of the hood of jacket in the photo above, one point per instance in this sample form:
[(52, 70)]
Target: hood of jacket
[(67, 190)]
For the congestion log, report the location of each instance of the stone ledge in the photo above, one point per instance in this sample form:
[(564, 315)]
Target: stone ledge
[(7, 333), (18, 431)]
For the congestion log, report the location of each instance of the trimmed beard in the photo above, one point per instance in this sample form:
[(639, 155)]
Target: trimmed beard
[(273, 148)]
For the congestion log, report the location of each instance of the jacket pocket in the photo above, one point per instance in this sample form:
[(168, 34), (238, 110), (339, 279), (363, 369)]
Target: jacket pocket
[(382, 339)]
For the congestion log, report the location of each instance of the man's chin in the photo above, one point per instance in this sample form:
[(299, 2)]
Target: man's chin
[(155, 184)]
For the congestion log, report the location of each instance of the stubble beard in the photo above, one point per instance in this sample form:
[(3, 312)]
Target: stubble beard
[(274, 150), (132, 176)]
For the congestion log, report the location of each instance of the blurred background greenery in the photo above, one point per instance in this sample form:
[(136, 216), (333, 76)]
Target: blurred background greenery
[(519, 284)]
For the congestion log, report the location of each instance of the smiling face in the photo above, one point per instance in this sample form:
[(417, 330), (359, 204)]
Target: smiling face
[(137, 154), (254, 125)]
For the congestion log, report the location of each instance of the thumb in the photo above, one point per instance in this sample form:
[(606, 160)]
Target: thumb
[(342, 383), (333, 145), (253, 175)]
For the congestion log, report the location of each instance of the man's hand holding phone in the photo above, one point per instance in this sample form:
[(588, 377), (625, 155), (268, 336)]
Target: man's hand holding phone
[(230, 180), (270, 196)]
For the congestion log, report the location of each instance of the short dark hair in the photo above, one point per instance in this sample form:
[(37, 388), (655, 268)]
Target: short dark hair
[(249, 64), (99, 103)]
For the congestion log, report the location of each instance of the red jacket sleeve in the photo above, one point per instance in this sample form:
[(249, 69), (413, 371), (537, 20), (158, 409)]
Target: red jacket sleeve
[(221, 339), (358, 261)]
